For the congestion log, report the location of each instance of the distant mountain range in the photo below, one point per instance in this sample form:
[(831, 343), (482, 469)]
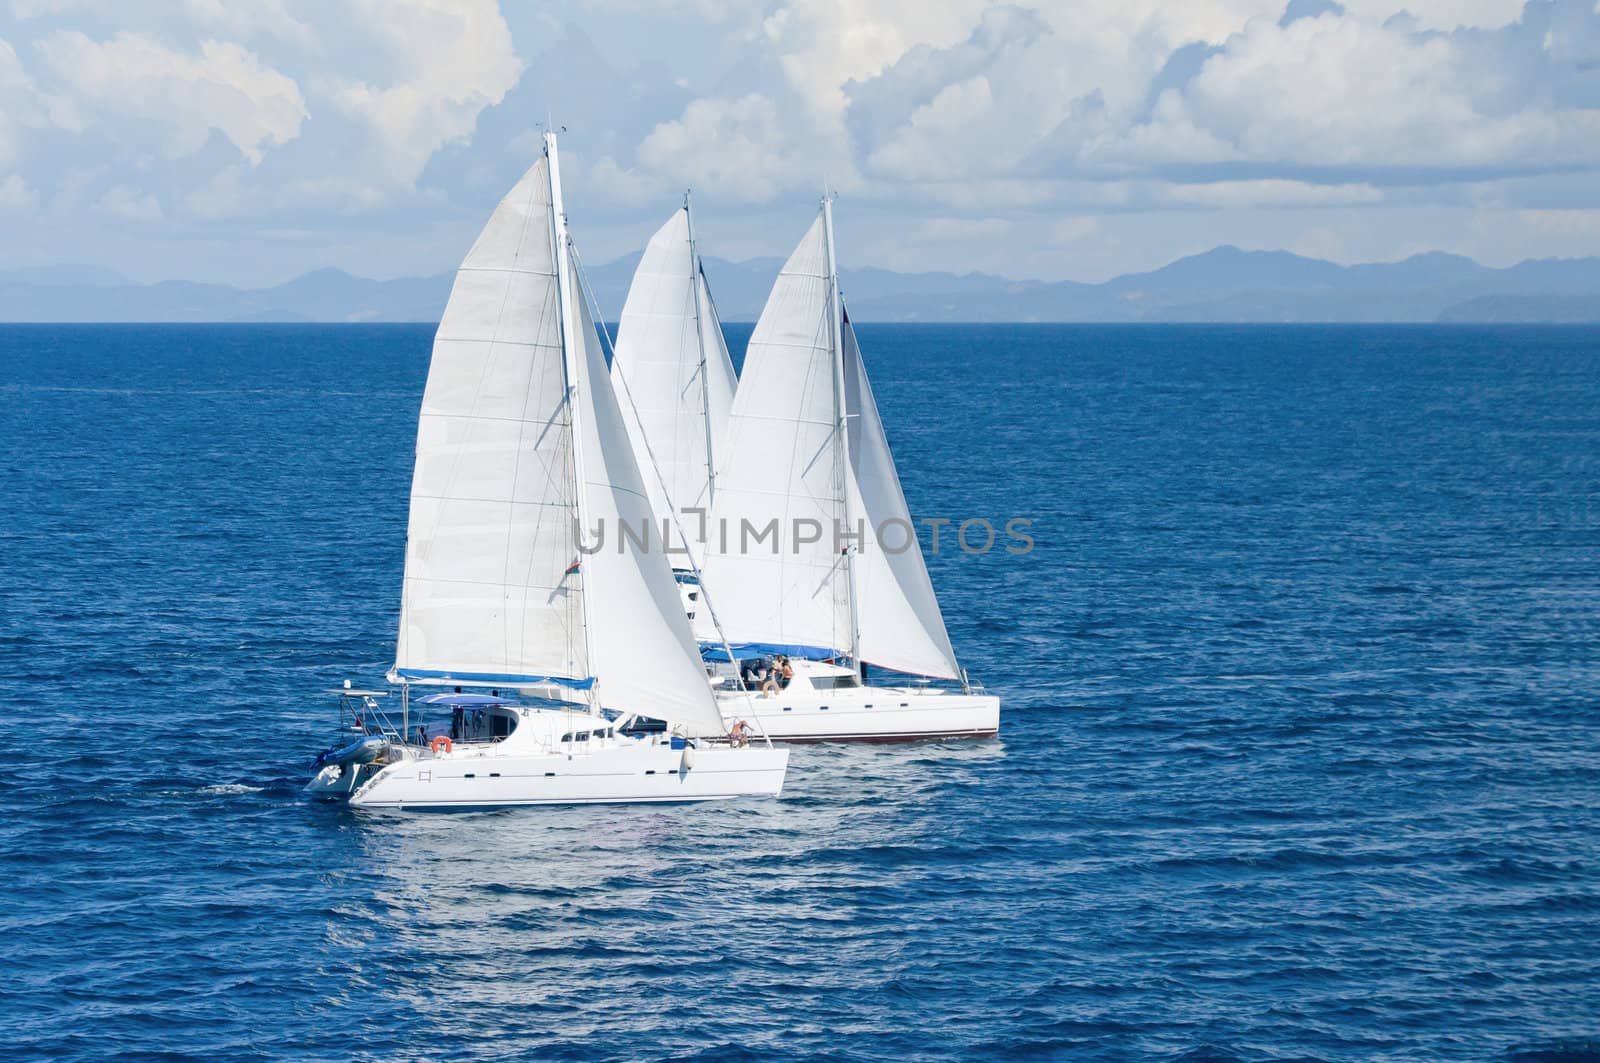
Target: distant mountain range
[(1221, 285)]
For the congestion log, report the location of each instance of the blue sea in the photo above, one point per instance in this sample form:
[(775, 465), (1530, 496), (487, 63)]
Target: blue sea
[(1299, 754)]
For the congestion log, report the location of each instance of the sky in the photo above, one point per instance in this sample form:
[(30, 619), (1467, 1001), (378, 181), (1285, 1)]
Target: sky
[(249, 141)]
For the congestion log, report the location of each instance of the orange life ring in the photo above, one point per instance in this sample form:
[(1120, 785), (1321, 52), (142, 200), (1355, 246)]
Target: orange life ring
[(442, 742)]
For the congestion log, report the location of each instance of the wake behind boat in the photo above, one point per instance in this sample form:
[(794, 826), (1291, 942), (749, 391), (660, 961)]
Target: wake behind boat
[(520, 444)]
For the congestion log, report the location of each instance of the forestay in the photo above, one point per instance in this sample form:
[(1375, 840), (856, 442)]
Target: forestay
[(673, 376)]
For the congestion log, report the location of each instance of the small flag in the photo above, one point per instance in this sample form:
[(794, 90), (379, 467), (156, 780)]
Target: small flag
[(573, 568)]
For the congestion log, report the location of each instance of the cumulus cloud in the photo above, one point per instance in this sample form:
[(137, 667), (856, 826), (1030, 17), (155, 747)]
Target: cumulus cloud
[(15, 194), (622, 186), (1339, 92), (1031, 121), (1216, 90), (130, 204), (821, 45), (452, 59), (221, 87), (247, 18), (20, 107), (1270, 192), (739, 148)]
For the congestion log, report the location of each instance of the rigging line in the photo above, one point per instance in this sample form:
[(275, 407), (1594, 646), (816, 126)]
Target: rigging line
[(570, 594), (700, 345), (561, 248), (832, 503), (705, 594)]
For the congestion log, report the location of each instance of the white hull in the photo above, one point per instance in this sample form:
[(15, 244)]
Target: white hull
[(802, 712), (643, 774), (534, 766), (890, 719)]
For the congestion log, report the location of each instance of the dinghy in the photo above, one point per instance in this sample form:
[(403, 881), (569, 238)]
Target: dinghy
[(520, 444)]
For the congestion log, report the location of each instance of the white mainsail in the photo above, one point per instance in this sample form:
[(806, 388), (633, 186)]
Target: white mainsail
[(803, 379), (782, 468), (491, 532), (673, 376), (496, 589)]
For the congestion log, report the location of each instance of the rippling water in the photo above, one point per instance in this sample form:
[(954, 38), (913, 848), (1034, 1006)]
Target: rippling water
[(1299, 753)]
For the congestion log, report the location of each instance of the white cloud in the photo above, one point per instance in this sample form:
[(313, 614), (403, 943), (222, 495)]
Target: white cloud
[(823, 44), (1441, 14), (928, 145), (245, 18), (1270, 192), (19, 106), (1096, 125), (1337, 91), (223, 195), (710, 10), (612, 182), (130, 204), (222, 87), (453, 58), (15, 194), (739, 148)]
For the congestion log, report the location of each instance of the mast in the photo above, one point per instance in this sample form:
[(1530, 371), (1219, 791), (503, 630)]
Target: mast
[(705, 366), (841, 459), (569, 366)]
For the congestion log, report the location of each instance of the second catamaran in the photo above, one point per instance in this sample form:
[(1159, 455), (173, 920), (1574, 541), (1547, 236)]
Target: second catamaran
[(811, 555)]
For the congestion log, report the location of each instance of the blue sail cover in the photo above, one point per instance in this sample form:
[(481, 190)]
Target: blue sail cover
[(497, 680), (743, 651)]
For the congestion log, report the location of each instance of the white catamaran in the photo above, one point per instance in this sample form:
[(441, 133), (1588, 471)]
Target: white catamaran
[(811, 554), (545, 652)]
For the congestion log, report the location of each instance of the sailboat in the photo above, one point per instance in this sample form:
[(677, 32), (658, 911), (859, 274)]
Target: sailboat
[(811, 555), (674, 378), (542, 652), (675, 384)]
